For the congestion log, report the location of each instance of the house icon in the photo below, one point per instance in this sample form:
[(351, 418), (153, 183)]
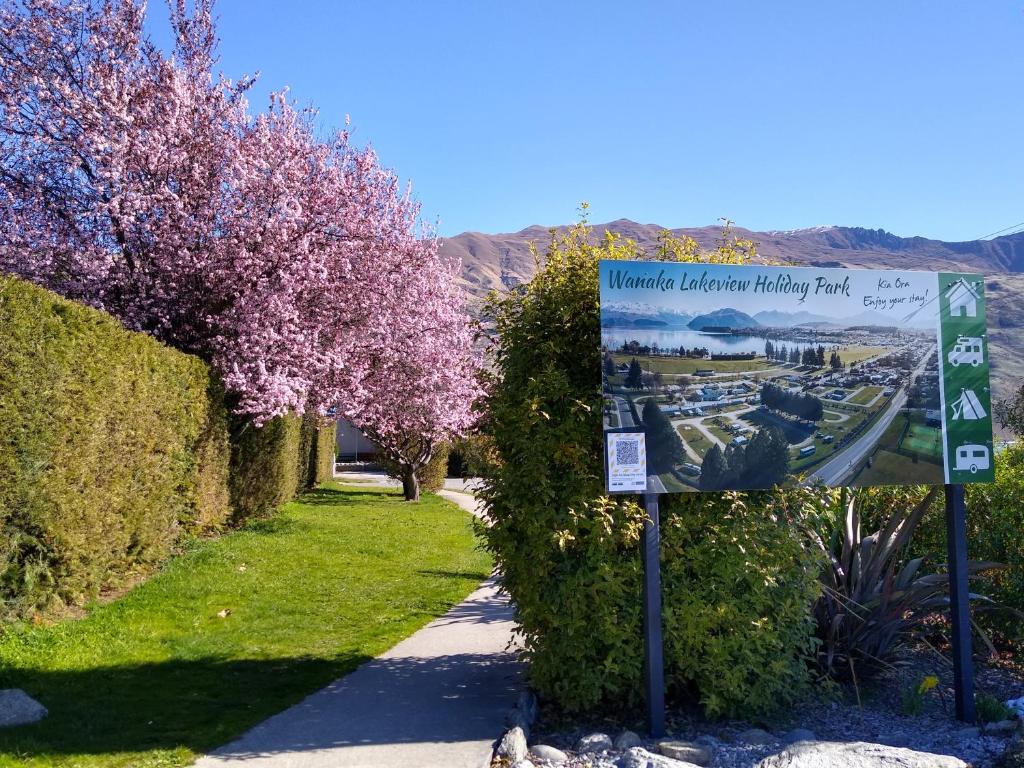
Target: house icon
[(963, 299)]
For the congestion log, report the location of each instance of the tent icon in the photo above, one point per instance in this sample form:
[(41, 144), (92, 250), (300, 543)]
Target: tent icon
[(963, 299), (968, 407)]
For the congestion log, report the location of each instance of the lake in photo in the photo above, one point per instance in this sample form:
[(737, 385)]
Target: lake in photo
[(716, 343)]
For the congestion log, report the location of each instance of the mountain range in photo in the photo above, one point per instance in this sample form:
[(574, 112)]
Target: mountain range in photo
[(500, 260)]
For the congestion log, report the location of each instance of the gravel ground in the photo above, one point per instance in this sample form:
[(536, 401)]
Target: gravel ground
[(879, 717)]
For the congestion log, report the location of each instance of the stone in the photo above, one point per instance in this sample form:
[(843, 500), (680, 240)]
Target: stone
[(517, 718), (18, 708), (628, 740), (512, 746), (798, 734), (549, 754), (638, 757), (524, 763), (686, 751), (970, 732), (756, 736), (856, 754), (594, 742)]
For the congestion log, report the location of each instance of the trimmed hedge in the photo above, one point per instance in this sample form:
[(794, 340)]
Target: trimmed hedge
[(111, 445), (316, 450), (264, 466)]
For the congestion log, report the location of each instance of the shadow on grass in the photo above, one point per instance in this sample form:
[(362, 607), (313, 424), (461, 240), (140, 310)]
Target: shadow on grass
[(204, 704), (325, 496), (199, 704), (474, 575)]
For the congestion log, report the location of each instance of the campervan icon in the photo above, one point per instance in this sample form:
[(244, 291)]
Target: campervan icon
[(968, 350), (972, 457)]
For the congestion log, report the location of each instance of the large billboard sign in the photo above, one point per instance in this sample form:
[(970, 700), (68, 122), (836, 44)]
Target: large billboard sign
[(741, 377)]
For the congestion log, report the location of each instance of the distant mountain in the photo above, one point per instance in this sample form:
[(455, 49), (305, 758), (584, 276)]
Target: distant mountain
[(774, 318), (641, 316), (503, 260), (723, 318)]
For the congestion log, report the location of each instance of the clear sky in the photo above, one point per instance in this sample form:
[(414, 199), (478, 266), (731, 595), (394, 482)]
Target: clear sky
[(903, 115)]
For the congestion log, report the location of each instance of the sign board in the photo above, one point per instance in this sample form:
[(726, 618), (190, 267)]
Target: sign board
[(745, 377)]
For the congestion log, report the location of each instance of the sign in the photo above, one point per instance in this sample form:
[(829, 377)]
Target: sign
[(626, 453), (745, 377)]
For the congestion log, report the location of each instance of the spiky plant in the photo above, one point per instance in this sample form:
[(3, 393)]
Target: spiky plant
[(873, 598)]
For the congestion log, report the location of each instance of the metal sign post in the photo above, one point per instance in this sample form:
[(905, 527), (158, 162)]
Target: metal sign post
[(959, 602), (654, 661)]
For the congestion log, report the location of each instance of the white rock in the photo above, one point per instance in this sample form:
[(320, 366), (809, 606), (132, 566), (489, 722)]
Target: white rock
[(525, 763), (18, 708), (549, 754), (513, 745), (856, 754), (594, 742), (638, 757), (628, 740), (686, 751)]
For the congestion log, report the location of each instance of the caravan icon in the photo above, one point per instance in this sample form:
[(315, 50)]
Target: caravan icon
[(968, 350), (972, 457)]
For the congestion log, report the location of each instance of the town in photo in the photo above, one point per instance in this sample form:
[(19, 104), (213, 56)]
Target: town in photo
[(750, 377)]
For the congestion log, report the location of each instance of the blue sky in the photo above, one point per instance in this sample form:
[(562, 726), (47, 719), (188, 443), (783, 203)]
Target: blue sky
[(902, 115)]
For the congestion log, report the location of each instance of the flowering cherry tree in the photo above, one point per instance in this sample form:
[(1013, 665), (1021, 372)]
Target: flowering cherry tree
[(423, 368)]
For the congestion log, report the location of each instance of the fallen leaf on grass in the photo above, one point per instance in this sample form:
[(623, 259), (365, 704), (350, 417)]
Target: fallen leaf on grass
[(224, 614)]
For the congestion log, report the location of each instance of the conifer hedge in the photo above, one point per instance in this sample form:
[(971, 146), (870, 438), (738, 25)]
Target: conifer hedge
[(111, 445)]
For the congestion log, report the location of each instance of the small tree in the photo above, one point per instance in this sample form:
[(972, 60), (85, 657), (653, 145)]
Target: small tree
[(664, 448), (635, 375), (714, 470)]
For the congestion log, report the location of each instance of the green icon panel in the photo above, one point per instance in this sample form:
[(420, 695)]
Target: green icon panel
[(964, 367)]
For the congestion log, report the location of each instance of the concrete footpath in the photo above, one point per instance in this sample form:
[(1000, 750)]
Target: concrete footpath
[(438, 698)]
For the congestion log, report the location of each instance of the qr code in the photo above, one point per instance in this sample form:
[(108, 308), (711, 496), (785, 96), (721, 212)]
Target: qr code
[(627, 452)]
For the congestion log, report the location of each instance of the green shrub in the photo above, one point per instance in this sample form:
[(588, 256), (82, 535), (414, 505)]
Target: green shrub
[(739, 580), (317, 445), (469, 455), (111, 444), (326, 450), (264, 466), (431, 476)]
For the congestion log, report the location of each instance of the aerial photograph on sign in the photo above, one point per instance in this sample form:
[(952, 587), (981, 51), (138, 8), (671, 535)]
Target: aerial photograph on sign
[(745, 377)]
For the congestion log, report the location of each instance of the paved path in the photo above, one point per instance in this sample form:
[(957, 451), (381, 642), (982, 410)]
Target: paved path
[(437, 699)]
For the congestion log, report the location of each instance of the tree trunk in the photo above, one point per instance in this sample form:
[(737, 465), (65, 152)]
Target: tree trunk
[(410, 485)]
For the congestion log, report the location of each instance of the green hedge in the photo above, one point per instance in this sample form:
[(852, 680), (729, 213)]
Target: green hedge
[(316, 450), (739, 579), (264, 466), (111, 445)]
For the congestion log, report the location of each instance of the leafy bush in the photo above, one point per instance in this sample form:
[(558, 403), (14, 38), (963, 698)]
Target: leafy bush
[(111, 445), (739, 580), (431, 476), (264, 466)]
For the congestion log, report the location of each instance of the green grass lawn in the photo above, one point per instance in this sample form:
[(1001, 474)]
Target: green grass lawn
[(923, 440), (865, 395), (158, 677), (695, 439), (889, 468)]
